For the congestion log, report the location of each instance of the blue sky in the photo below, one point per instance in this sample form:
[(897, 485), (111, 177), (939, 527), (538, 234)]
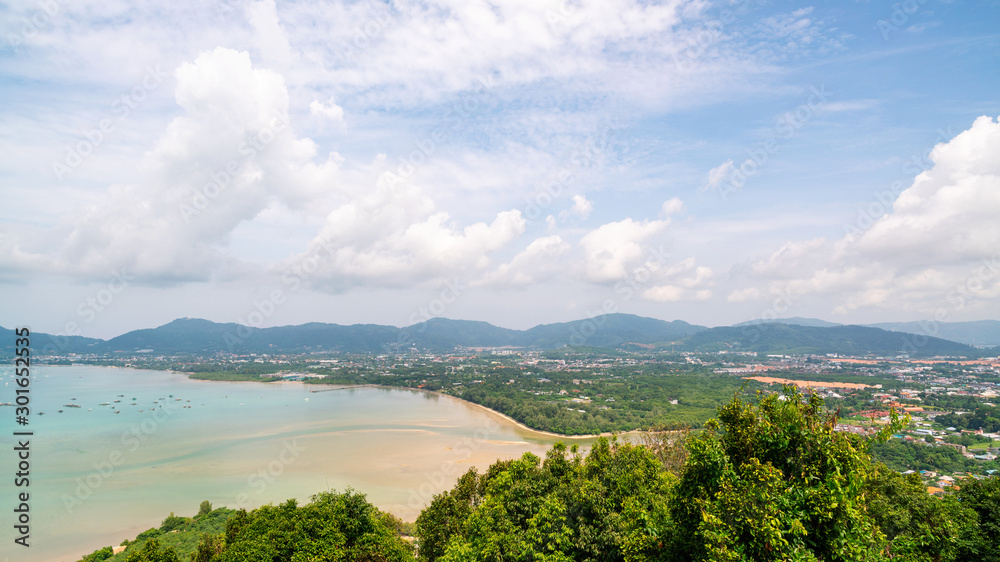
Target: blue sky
[(513, 162)]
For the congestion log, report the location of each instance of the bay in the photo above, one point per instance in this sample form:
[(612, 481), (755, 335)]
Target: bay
[(143, 444)]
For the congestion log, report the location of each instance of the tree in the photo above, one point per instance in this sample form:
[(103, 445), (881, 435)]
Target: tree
[(669, 443), (331, 527), (151, 552), (774, 481), (205, 508), (99, 555), (610, 505), (209, 547), (983, 497), (918, 526)]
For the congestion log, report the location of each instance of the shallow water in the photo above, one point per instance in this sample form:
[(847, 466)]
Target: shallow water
[(98, 477)]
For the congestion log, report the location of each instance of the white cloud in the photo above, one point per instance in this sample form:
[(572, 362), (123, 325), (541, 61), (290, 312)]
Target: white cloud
[(950, 212), (744, 295), (271, 40), (672, 206), (718, 174), (539, 261), (581, 208), (612, 249), (214, 167), (330, 110), (937, 252), (664, 293), (685, 280), (394, 236)]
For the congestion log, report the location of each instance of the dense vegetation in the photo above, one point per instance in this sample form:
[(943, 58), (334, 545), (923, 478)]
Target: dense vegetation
[(982, 417), (177, 534), (902, 456), (770, 479), (332, 527)]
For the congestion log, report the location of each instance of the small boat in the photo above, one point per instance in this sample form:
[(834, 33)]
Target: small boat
[(60, 411), (118, 411)]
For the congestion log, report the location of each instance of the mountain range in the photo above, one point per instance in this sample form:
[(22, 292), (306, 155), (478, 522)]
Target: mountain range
[(794, 335)]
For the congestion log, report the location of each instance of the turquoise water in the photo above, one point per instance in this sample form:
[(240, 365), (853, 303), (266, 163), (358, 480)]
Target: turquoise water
[(98, 477)]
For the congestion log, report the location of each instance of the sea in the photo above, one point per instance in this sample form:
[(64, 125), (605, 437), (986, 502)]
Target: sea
[(113, 451)]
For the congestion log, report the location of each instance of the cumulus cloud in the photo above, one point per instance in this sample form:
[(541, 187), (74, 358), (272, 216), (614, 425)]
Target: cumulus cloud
[(936, 252), (611, 250), (230, 156), (581, 208), (672, 206), (330, 109), (214, 167), (949, 213), (685, 280), (394, 236), (538, 262)]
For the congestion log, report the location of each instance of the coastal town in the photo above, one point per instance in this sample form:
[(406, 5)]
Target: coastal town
[(949, 404)]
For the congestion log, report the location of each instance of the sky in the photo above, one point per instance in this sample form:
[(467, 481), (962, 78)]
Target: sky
[(518, 161)]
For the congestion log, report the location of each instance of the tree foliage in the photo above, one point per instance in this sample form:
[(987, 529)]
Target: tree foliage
[(774, 481), (332, 527), (609, 505)]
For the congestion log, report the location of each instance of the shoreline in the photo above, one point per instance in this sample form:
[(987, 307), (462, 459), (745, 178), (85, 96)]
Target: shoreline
[(436, 393), (525, 427)]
